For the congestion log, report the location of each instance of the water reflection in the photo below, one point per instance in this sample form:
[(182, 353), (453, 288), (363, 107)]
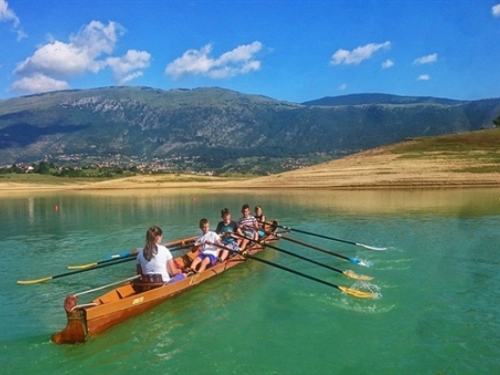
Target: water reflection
[(182, 202), (463, 202)]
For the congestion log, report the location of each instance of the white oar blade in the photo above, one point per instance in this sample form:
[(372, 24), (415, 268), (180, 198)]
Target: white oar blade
[(371, 247)]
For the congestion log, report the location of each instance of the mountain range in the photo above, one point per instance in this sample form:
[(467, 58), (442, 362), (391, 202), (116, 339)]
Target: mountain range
[(220, 129)]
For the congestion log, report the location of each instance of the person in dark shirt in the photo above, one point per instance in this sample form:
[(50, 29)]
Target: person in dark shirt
[(225, 228)]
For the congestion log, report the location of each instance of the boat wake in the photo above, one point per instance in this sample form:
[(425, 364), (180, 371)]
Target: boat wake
[(394, 265)]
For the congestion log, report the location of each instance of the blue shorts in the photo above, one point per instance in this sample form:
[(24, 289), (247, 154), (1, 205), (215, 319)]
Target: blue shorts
[(213, 258), (231, 246), (178, 277), (261, 233), (249, 233)]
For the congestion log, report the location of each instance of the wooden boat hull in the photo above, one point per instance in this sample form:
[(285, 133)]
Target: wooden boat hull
[(125, 302)]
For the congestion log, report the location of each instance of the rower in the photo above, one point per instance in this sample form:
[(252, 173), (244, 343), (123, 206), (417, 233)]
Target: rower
[(210, 244), (261, 219), (155, 262), (248, 225), (226, 228)]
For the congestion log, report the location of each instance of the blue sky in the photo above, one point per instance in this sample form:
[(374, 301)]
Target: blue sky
[(288, 50)]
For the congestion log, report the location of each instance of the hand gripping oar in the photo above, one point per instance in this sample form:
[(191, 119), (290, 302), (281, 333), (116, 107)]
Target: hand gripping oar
[(71, 273), (113, 260), (332, 238), (352, 292), (359, 262), (347, 273)]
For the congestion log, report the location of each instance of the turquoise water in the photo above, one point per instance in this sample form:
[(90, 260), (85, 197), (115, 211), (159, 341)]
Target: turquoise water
[(437, 312)]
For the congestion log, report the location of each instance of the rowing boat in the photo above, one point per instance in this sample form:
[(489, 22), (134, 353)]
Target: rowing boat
[(133, 298)]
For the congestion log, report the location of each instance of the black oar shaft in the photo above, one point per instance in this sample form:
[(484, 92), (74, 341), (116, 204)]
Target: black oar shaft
[(291, 271), (294, 255), (93, 268), (130, 255), (329, 238), (314, 247), (70, 273), (319, 235), (246, 255), (353, 292)]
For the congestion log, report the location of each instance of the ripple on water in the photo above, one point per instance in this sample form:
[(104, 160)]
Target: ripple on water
[(349, 303)]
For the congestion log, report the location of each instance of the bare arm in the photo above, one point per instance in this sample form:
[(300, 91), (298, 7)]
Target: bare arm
[(172, 268)]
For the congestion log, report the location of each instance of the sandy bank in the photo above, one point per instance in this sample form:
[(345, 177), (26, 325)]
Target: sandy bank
[(373, 169)]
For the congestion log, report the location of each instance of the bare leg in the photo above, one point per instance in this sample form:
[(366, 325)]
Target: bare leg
[(195, 263), (244, 243), (223, 255), (204, 264)]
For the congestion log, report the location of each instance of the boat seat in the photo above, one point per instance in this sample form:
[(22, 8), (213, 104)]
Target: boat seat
[(147, 282), (186, 260), (125, 291)]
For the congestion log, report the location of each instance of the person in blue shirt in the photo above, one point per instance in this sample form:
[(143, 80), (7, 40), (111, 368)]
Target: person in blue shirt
[(225, 228)]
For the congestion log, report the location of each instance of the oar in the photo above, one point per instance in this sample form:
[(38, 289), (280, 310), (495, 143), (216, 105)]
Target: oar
[(122, 255), (347, 273), (330, 238), (112, 260), (352, 292), (134, 252), (359, 262), (71, 273)]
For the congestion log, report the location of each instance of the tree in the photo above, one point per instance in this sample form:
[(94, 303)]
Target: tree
[(496, 122), (15, 169), (42, 168)]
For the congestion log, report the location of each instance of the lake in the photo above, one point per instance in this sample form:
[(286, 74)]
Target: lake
[(437, 310)]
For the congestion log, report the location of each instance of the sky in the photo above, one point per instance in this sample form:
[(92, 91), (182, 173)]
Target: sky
[(290, 50)]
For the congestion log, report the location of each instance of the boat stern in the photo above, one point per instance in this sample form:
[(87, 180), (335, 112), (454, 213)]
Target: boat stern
[(76, 328)]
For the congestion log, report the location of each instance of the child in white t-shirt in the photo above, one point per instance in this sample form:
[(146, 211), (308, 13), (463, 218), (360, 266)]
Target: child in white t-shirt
[(210, 243)]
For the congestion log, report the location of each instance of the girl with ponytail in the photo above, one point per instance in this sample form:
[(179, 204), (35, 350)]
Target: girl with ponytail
[(155, 258)]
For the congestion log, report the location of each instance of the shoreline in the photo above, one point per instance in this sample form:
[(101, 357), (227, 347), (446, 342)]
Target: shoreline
[(248, 184), (374, 169)]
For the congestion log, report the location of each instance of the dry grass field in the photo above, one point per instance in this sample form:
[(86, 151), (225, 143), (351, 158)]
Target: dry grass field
[(460, 160)]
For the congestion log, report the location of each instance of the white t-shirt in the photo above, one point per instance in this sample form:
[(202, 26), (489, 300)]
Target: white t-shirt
[(157, 264), (208, 248)]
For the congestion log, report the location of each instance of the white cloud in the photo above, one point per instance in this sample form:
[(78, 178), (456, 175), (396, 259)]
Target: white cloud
[(357, 55), (495, 10), (240, 60), (387, 64), (8, 15), (38, 83), (79, 55), (123, 66), (83, 53), (423, 77), (343, 86), (429, 59)]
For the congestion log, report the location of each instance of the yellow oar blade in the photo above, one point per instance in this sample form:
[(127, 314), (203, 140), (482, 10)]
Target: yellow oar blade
[(357, 293), (83, 266), (355, 276), (34, 281)]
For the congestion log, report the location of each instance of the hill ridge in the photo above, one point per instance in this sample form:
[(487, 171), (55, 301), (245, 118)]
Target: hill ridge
[(214, 128)]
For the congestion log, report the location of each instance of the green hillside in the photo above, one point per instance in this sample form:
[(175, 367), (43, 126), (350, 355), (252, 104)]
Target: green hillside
[(481, 147), (216, 129)]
